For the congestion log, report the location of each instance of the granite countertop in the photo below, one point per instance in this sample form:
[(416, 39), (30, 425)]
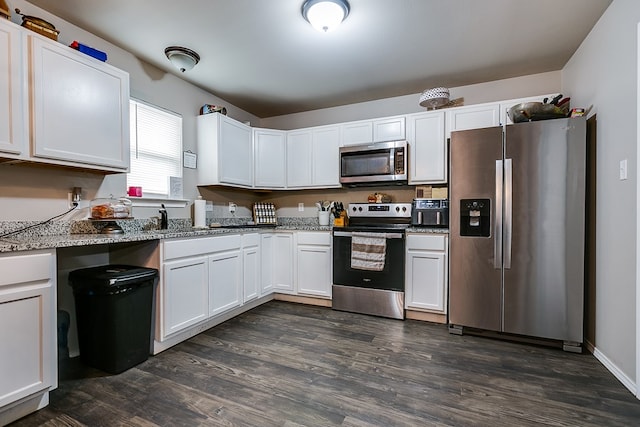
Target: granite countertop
[(84, 233), (31, 242)]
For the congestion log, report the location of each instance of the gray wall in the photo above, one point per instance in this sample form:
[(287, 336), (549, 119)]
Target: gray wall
[(519, 87), (603, 73)]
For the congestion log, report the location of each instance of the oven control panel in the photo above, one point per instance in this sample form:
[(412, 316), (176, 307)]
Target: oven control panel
[(380, 210)]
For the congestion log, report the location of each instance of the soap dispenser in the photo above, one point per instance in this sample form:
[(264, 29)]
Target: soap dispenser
[(164, 219)]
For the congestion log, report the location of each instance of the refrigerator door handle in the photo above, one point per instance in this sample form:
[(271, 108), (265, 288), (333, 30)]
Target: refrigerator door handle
[(508, 211), (497, 226)]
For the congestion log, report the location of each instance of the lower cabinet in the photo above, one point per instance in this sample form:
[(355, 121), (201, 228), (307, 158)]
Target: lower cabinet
[(251, 262), (225, 281), (185, 293), (28, 362), (313, 259), (282, 263), (426, 272), (204, 277)]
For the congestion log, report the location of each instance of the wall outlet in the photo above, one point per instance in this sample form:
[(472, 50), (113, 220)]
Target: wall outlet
[(232, 207), (300, 207)]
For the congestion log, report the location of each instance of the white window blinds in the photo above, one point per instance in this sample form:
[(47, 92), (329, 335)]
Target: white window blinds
[(156, 147)]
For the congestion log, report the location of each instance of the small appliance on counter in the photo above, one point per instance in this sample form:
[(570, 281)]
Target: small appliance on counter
[(430, 212)]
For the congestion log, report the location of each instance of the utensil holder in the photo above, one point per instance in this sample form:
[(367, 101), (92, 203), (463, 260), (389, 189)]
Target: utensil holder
[(323, 217)]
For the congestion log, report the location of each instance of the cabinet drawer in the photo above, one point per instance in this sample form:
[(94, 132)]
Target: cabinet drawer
[(314, 238), (252, 239), (26, 268), (199, 246), (436, 242)]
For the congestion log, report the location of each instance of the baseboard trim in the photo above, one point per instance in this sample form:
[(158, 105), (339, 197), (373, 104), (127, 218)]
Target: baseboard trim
[(425, 316), (322, 302), (621, 376)]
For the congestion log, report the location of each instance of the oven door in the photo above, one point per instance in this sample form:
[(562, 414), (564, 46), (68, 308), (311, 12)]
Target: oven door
[(391, 277)]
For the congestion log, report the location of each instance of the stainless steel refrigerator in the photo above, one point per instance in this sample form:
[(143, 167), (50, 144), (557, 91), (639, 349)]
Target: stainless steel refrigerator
[(517, 230)]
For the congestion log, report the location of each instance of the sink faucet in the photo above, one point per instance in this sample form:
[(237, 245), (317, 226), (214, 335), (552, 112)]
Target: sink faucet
[(164, 220)]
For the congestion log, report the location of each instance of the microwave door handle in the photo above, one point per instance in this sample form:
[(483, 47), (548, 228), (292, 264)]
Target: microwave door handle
[(392, 161)]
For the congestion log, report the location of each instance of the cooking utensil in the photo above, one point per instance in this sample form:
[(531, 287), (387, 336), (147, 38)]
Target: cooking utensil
[(533, 111), (555, 100), (39, 25)]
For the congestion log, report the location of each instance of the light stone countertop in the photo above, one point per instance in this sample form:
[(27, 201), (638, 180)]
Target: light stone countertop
[(30, 242), (33, 242)]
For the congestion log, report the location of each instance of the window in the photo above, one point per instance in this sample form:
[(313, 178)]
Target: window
[(156, 147)]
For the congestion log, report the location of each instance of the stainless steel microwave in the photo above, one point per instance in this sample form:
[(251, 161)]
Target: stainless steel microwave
[(379, 162)]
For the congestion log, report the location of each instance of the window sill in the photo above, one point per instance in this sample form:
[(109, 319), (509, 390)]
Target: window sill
[(153, 202)]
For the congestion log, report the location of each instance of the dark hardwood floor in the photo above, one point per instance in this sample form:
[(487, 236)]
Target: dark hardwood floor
[(285, 364)]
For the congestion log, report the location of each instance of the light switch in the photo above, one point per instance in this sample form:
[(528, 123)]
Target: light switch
[(623, 169)]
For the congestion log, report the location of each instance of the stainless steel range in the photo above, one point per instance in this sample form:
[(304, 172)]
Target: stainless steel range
[(369, 259)]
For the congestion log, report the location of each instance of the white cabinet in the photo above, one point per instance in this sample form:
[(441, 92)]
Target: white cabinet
[(389, 129), (185, 293), (427, 148), (377, 130), (79, 106), (266, 263), (225, 281), (355, 133), (300, 158), (270, 158), (314, 263), (473, 117), (28, 362), (426, 272), (225, 151), (201, 277), (325, 155), (283, 262), (312, 157), (251, 261), (13, 100), (59, 106)]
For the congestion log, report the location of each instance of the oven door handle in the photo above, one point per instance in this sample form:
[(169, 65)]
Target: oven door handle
[(386, 235)]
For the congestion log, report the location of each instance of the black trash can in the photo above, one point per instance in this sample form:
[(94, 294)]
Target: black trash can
[(114, 307)]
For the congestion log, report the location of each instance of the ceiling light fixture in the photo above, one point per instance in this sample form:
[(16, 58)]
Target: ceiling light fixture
[(184, 59), (325, 15)]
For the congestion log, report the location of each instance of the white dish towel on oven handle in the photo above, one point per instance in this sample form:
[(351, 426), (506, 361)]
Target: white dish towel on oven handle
[(368, 251)]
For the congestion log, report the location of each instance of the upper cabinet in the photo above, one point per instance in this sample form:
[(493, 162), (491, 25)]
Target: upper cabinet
[(59, 106), (378, 130), (270, 158), (225, 149), (473, 117), (427, 148), (389, 129), (312, 157), (80, 107), (13, 99)]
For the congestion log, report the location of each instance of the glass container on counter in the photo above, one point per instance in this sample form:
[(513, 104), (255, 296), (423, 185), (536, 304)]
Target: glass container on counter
[(110, 208)]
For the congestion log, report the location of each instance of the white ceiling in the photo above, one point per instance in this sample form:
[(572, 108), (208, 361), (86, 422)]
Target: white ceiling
[(263, 57)]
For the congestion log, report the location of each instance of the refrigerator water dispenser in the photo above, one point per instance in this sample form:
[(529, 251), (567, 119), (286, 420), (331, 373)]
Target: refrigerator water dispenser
[(475, 217)]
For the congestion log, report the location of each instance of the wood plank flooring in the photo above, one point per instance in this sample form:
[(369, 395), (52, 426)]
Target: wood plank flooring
[(286, 364)]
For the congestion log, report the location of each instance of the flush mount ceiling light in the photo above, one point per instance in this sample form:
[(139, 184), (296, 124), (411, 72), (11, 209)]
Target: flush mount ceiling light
[(325, 15), (184, 59)]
